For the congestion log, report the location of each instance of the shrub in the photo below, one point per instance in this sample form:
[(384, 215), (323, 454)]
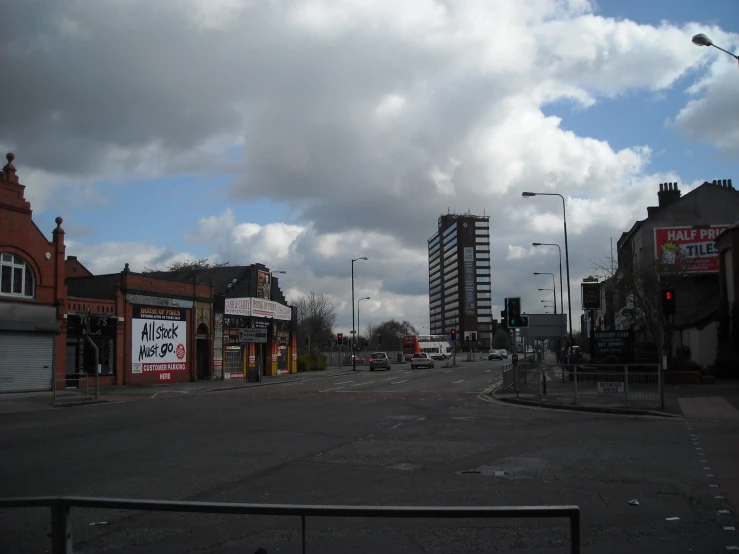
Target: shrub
[(312, 363)]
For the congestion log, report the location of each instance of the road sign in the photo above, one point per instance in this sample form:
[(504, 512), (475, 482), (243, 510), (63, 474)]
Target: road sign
[(252, 335)]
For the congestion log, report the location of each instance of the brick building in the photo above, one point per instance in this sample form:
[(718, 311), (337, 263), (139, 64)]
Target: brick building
[(727, 244), (32, 293)]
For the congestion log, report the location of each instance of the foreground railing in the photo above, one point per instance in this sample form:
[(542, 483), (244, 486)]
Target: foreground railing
[(61, 513)]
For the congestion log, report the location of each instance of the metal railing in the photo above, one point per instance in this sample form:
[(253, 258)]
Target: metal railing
[(627, 385), (61, 513), (71, 388)]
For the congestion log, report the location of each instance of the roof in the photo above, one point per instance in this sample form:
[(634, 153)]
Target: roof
[(221, 276), (731, 227)]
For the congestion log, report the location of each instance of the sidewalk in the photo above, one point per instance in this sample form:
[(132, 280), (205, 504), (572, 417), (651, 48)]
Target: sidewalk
[(37, 401)]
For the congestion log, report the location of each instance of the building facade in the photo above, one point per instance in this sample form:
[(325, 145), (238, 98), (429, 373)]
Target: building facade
[(727, 245), (675, 246), (32, 293), (460, 295)]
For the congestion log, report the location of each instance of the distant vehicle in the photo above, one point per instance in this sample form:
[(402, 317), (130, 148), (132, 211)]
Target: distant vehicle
[(379, 360), (495, 354), (421, 359), (437, 347), (504, 354)]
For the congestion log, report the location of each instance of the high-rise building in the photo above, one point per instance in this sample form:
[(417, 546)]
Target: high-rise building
[(459, 277)]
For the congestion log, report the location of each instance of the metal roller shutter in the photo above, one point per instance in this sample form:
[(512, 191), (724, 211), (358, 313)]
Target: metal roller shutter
[(25, 362)]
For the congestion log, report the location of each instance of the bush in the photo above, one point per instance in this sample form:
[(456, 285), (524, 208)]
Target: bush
[(312, 363)]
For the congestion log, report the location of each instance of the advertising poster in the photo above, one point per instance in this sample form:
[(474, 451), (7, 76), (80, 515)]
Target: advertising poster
[(158, 340), (469, 280), (688, 249), (263, 285), (591, 296)]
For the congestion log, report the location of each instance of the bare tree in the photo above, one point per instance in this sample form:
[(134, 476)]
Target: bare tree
[(369, 332), (193, 265), (502, 340), (316, 318), (639, 284)]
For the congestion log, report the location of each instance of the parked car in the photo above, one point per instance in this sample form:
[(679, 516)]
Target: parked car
[(421, 359), (379, 360), (503, 354), (494, 354)]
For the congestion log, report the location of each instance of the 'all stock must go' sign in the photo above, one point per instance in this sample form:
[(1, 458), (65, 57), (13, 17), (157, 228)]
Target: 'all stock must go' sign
[(158, 339)]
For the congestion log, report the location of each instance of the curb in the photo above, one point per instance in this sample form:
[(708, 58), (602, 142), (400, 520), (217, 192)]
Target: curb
[(578, 408), (80, 403)]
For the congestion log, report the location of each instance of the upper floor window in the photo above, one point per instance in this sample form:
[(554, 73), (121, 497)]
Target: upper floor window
[(16, 276)]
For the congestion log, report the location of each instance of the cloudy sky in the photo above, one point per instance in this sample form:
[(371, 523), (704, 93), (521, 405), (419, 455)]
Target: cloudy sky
[(302, 133)]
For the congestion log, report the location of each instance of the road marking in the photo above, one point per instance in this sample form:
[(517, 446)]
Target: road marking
[(460, 381), (398, 382), (343, 383), (389, 379), (335, 388), (360, 384)]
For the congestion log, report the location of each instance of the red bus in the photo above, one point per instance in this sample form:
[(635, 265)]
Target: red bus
[(436, 346)]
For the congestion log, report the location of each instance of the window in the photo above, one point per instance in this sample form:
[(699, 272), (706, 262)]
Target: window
[(483, 255), (483, 272), (483, 287), (433, 242), (481, 263), (482, 239), (483, 295), (483, 279), (450, 230), (16, 276), (482, 224), (482, 232)]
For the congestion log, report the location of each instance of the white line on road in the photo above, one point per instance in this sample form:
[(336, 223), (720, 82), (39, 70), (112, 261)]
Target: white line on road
[(460, 381), (398, 382), (335, 388), (360, 384), (390, 379), (343, 383)]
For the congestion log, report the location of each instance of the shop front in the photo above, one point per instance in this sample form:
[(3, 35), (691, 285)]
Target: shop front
[(249, 355), (102, 330)]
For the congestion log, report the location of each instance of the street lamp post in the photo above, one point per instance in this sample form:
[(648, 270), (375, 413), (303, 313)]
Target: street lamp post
[(567, 249), (354, 330), (358, 305), (554, 290), (561, 294), (702, 40)]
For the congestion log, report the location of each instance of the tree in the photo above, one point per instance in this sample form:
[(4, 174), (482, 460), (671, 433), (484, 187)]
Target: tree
[(501, 340), (316, 318), (639, 285), (192, 265), (392, 332)]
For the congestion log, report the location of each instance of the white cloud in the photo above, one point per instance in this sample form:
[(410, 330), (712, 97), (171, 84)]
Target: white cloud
[(368, 118)]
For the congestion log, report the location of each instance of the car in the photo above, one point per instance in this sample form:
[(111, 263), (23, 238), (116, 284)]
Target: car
[(494, 354), (504, 354), (421, 359), (379, 360)]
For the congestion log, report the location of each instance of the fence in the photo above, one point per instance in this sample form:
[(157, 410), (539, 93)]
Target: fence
[(627, 385), (71, 388), (61, 513)]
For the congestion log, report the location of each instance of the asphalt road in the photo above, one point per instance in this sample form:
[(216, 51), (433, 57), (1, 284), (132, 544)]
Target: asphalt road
[(403, 437)]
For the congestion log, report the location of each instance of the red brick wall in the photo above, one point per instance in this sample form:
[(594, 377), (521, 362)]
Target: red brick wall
[(73, 268), (19, 235)]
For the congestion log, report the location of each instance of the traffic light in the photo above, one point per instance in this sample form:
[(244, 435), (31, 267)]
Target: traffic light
[(513, 307), (366, 342), (668, 301), (454, 335), (340, 338), (379, 339)]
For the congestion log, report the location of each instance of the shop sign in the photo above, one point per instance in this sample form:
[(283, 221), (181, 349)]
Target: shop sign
[(158, 339), (252, 336), (690, 249), (101, 325), (237, 306)]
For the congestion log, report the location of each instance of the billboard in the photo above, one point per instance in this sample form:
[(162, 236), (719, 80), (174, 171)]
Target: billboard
[(158, 339), (591, 296), (690, 249), (263, 285), (469, 280)]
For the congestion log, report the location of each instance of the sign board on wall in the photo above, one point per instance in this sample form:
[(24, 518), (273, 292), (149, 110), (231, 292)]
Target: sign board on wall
[(158, 339), (469, 280), (257, 307), (692, 249), (263, 285), (591, 296), (252, 335)]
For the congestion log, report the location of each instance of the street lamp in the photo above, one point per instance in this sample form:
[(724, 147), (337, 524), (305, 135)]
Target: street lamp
[(567, 250), (354, 330), (702, 40), (561, 295), (358, 304), (555, 298)]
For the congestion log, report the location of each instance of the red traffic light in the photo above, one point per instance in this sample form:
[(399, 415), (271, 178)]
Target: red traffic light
[(668, 295)]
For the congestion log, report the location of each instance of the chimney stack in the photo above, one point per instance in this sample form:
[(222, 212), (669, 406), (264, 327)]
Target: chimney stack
[(668, 194), (723, 183)]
